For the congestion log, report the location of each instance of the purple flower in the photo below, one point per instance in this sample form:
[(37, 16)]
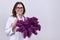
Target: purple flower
[(28, 26)]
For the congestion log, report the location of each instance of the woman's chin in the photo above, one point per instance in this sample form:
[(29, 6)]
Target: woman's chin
[(19, 13)]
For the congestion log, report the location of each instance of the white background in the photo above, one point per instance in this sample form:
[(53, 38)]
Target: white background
[(47, 11)]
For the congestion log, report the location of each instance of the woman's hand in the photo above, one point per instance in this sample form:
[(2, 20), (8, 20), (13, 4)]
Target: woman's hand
[(14, 24)]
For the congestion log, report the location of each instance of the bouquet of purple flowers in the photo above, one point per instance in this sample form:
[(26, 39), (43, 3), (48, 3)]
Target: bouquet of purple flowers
[(28, 26)]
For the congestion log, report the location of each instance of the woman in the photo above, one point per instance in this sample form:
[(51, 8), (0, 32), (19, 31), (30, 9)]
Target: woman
[(17, 14)]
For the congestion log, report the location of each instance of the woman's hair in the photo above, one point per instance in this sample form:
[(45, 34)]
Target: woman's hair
[(13, 10)]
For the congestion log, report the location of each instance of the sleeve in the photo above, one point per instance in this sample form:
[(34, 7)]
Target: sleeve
[(8, 28)]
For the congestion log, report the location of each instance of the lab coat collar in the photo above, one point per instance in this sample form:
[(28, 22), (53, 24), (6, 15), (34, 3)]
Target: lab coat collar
[(23, 17)]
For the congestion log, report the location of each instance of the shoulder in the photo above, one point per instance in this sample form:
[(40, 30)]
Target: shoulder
[(11, 19)]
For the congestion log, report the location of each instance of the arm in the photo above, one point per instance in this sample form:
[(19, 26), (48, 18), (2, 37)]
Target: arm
[(10, 26)]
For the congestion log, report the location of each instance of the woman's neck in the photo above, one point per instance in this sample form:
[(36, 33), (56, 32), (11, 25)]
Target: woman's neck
[(19, 16)]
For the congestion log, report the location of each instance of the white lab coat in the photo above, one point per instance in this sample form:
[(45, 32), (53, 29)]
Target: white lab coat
[(13, 34)]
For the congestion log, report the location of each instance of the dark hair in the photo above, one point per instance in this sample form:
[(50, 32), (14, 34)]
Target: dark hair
[(14, 12)]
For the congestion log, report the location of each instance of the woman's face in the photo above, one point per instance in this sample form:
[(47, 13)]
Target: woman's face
[(19, 9)]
